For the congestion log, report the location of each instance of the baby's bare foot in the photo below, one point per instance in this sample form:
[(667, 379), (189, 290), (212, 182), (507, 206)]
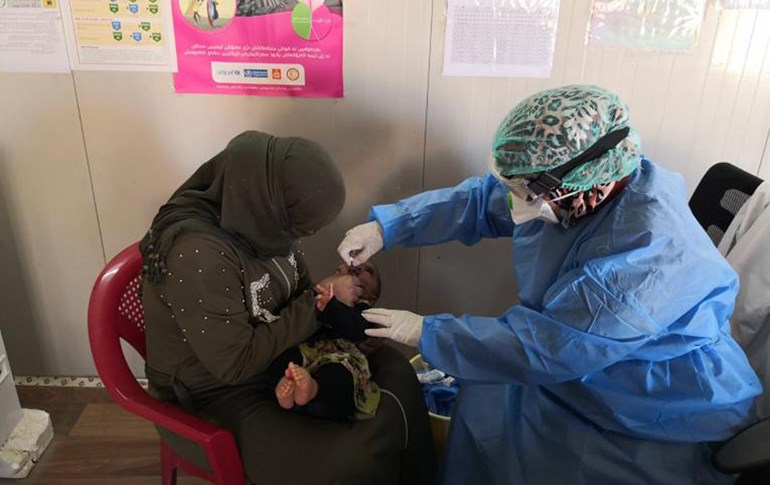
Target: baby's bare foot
[(305, 387), (284, 392)]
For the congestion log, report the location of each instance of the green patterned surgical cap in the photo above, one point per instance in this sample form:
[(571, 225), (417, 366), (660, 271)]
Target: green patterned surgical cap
[(550, 128)]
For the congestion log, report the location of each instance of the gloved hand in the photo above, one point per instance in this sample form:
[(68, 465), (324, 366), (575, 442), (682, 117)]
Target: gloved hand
[(399, 325), (361, 243)]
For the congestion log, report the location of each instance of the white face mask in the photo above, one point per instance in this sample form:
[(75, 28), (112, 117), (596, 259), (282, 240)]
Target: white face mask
[(538, 209)]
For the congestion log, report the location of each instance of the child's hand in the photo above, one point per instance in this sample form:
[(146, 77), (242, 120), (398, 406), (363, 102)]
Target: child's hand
[(323, 296), (348, 289)]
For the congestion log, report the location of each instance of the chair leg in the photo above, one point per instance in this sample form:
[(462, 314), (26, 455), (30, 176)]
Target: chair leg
[(167, 465)]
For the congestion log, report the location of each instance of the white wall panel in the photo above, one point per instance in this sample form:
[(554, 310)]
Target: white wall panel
[(50, 251)]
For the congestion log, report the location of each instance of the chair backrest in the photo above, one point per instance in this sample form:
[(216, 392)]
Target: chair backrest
[(131, 325), (115, 313), (719, 196)]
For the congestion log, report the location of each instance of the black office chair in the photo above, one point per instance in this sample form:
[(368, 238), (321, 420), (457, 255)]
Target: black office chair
[(719, 195), (716, 201)]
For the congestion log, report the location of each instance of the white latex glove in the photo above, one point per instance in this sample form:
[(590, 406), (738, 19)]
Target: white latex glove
[(361, 243), (399, 325)]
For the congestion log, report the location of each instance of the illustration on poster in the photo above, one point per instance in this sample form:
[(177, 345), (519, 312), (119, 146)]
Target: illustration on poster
[(217, 13)]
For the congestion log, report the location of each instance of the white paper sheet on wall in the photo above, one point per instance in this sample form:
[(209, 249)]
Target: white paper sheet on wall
[(745, 4), (500, 38), (663, 25), (120, 35), (32, 37)]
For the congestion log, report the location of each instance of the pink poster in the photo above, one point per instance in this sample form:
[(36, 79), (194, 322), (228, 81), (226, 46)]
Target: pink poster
[(259, 47)]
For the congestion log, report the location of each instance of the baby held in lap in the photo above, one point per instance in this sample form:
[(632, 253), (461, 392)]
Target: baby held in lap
[(328, 376)]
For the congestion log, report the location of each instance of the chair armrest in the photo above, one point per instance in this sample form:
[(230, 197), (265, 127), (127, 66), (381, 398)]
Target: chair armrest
[(746, 451)]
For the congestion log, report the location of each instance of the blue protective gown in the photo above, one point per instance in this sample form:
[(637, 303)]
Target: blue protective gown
[(618, 365)]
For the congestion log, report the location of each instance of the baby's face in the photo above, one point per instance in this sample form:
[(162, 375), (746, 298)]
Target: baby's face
[(367, 275)]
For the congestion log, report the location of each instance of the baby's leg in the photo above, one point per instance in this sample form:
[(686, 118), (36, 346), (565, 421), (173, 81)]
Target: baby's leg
[(281, 379), (305, 386), (335, 399)]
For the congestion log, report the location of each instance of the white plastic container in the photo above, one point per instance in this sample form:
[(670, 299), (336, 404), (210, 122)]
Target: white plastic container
[(10, 409), (24, 433)]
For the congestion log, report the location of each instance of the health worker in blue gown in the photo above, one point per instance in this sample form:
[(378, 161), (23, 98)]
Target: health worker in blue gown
[(618, 365)]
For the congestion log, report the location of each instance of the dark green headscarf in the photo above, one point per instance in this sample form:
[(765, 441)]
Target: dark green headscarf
[(262, 192)]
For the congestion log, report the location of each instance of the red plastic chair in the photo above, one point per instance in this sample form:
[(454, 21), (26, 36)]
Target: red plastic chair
[(115, 312)]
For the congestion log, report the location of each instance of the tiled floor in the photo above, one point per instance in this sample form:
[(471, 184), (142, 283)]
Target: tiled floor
[(95, 441)]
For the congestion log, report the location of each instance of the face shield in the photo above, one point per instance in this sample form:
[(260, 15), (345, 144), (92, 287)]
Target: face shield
[(530, 198)]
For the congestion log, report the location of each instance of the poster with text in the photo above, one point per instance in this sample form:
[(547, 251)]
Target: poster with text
[(120, 35), (32, 37), (259, 47), (660, 25), (500, 39)]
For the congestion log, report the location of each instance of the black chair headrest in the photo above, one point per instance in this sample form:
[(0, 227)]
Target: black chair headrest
[(719, 195)]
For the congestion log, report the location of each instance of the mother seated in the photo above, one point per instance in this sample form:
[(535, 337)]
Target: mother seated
[(226, 291)]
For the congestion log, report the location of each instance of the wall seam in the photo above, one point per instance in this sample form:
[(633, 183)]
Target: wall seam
[(425, 136), (88, 166), (764, 154)]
